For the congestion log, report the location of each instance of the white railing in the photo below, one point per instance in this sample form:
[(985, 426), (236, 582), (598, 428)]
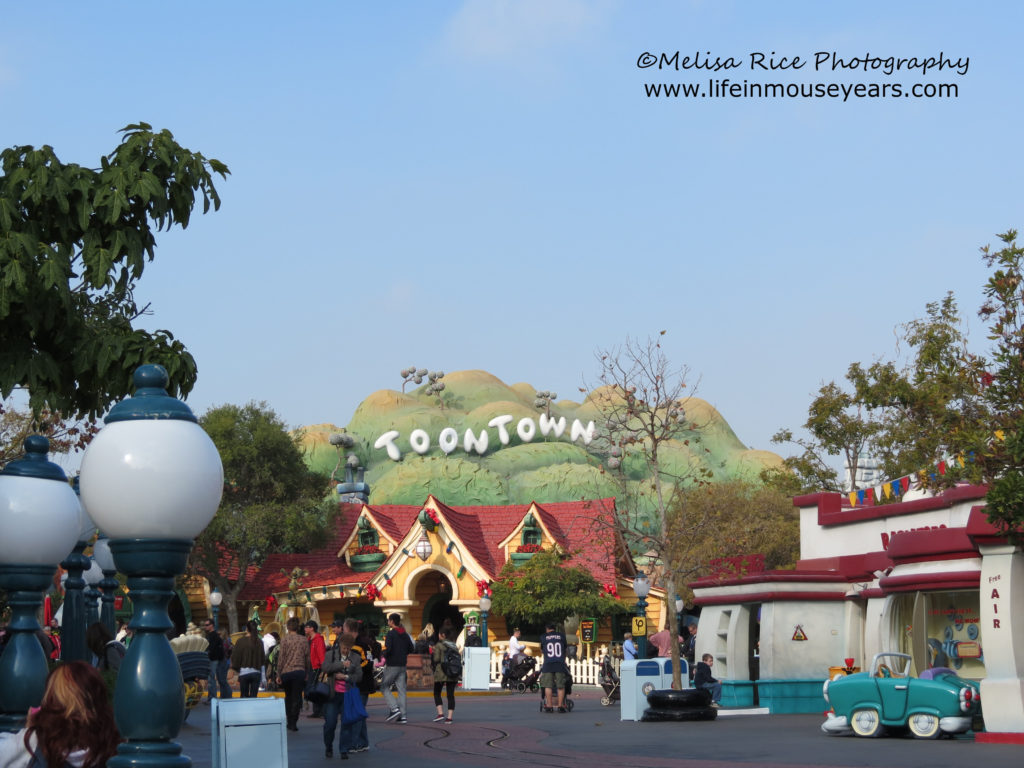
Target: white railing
[(584, 671)]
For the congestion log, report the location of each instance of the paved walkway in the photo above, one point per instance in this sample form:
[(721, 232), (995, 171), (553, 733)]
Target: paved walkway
[(493, 729)]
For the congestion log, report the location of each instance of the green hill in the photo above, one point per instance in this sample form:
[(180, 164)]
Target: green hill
[(531, 467)]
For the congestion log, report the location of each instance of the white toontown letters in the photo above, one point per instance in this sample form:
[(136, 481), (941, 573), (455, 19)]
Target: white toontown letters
[(448, 440)]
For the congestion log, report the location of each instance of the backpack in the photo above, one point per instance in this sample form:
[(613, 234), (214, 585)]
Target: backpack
[(451, 662)]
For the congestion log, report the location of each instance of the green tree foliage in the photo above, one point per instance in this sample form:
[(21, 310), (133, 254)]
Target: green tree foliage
[(73, 244), (729, 520), (1001, 458), (907, 415), (545, 588), (272, 502)]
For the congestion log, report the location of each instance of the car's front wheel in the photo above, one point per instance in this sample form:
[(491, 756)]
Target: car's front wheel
[(866, 722), (924, 726)]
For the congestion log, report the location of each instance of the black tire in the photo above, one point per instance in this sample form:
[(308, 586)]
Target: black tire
[(668, 698), (691, 714)]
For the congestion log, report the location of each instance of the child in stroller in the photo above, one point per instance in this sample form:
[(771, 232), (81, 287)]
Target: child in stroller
[(515, 671), (609, 680)]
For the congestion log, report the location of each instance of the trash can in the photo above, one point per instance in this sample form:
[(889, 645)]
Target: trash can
[(249, 732), (637, 678), (476, 669), (666, 672)]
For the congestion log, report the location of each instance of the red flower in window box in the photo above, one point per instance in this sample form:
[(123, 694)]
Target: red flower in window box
[(528, 548), (369, 549)]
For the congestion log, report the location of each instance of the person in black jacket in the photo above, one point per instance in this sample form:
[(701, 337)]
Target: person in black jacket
[(218, 663), (702, 678), (397, 647)]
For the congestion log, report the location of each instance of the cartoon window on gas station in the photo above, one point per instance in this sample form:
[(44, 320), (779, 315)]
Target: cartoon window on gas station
[(954, 632)]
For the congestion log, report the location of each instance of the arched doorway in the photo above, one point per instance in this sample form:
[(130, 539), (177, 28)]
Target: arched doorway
[(438, 608), (433, 591)]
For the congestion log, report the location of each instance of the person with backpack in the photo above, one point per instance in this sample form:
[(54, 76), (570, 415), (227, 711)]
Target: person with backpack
[(107, 651), (369, 651), (447, 663)]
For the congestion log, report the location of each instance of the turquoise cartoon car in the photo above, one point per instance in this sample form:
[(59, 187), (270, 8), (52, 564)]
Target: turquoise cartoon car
[(869, 703)]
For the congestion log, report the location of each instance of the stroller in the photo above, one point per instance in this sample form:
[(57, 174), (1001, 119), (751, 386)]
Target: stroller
[(609, 680), (515, 672), (568, 694)]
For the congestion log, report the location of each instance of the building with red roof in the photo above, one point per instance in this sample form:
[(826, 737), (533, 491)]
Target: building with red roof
[(429, 562)]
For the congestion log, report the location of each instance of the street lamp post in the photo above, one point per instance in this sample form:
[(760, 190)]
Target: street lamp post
[(152, 480), (108, 584), (485, 607), (216, 597), (40, 519), (642, 587), (72, 625), (93, 576)]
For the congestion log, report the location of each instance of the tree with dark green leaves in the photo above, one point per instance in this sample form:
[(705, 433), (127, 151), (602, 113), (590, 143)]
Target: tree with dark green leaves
[(272, 502), (908, 416), (74, 242), (727, 522), (546, 588), (1000, 457)]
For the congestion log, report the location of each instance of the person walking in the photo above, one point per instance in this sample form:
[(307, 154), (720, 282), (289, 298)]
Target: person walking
[(292, 662), (554, 673), (369, 651), (247, 659), (516, 647), (345, 670), (443, 678), (397, 647), (218, 663), (317, 649)]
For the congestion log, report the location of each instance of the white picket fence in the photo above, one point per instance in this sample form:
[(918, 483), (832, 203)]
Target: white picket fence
[(585, 670)]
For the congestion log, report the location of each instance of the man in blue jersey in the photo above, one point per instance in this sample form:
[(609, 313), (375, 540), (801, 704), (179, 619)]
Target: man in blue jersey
[(554, 674)]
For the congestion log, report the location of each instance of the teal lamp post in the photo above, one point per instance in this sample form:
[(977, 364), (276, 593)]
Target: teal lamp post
[(108, 584), (485, 607), (642, 587), (72, 627), (152, 480), (40, 519)]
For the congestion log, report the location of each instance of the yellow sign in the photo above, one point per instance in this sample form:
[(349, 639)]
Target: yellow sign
[(640, 626)]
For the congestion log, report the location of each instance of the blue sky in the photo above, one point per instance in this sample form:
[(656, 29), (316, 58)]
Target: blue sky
[(475, 184)]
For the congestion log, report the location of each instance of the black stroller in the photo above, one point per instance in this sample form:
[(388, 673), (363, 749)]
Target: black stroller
[(515, 671), (609, 680)]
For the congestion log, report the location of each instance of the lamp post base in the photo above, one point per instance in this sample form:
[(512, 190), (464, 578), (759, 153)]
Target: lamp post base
[(23, 667), (149, 700)]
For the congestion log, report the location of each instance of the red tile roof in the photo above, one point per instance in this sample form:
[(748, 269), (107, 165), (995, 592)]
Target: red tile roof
[(585, 529)]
